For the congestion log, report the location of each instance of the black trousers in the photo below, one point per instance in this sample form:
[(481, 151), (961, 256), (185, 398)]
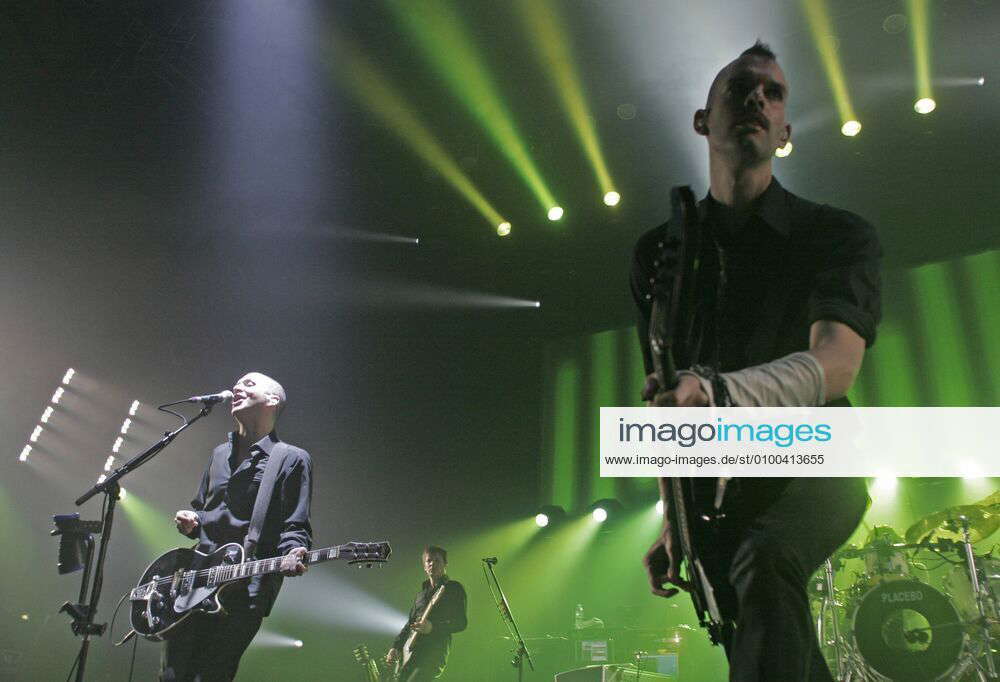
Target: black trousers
[(209, 648), (760, 568)]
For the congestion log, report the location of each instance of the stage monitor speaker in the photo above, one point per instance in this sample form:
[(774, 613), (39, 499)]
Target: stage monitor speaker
[(610, 673)]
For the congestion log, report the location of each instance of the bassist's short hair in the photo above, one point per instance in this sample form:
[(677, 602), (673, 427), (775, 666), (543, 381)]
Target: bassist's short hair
[(439, 551)]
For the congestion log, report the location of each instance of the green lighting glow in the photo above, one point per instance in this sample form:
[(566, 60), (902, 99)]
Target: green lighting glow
[(944, 335), (822, 32), (382, 99), (565, 418), (153, 526), (919, 38), (445, 44), (557, 57)]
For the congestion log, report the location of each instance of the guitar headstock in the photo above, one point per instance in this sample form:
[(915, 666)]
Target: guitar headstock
[(368, 553), (362, 655)]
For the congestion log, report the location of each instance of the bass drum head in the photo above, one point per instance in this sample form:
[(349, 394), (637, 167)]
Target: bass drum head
[(906, 630)]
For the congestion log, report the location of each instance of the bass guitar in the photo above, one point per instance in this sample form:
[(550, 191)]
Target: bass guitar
[(674, 340), (407, 655), (185, 581)]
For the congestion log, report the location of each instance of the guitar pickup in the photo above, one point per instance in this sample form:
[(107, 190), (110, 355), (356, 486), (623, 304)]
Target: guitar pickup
[(175, 583)]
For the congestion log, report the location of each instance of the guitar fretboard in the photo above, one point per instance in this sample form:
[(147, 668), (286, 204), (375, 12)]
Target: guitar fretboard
[(249, 569)]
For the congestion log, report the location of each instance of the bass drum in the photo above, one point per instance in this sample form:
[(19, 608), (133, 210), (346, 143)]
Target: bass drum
[(907, 630)]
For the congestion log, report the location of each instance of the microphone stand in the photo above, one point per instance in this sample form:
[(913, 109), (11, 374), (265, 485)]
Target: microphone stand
[(83, 614), (521, 650)]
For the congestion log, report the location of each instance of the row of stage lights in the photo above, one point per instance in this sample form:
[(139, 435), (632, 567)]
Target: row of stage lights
[(852, 128), (600, 511), (119, 442), (50, 411), (556, 212), (47, 414)]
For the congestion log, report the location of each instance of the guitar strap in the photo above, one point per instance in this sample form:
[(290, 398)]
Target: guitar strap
[(264, 494)]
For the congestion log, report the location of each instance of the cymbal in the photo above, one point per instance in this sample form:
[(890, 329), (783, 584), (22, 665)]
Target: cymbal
[(983, 522)]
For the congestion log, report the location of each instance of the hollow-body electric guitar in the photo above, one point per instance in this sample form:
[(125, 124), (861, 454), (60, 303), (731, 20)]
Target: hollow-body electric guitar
[(674, 340), (185, 581)]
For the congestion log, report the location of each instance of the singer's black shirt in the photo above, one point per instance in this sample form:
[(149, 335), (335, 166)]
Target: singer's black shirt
[(225, 500), (447, 617)]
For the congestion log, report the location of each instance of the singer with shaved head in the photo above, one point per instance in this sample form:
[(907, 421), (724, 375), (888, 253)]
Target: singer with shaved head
[(251, 460)]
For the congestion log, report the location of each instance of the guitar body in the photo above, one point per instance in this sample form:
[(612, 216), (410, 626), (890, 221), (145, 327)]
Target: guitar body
[(160, 612), (185, 581)]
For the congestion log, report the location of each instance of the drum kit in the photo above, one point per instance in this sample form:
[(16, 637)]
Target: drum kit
[(899, 619)]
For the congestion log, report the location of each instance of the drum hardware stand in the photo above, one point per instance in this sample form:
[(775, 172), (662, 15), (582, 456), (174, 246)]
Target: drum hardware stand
[(83, 617), (978, 590)]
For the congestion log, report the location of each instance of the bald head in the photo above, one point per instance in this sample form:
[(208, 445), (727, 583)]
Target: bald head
[(257, 394)]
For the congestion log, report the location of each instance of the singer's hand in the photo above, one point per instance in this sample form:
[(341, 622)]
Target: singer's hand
[(687, 393), (186, 521)]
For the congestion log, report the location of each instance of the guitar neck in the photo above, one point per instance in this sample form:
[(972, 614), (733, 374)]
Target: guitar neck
[(273, 565)]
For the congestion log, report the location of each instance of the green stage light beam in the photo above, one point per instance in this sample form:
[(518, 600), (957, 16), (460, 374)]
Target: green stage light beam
[(439, 33), (919, 39), (379, 95), (565, 444), (945, 344), (556, 54), (981, 275), (154, 527), (506, 541), (822, 31)]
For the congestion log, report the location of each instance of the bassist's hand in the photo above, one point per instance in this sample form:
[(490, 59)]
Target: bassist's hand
[(687, 393), (663, 567)]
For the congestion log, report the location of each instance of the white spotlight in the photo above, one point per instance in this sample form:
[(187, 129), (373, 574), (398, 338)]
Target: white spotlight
[(125, 425), (981, 80), (612, 198), (118, 444), (46, 414), (68, 376), (102, 478), (297, 644), (555, 213), (57, 396), (503, 229), (135, 408), (24, 453), (36, 433), (925, 105), (850, 128), (109, 462)]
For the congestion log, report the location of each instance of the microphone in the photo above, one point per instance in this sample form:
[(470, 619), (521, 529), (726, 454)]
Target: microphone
[(223, 397), (490, 560)]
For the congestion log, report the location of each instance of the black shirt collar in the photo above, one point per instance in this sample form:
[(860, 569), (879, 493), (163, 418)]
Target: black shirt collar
[(771, 207), (265, 444), (444, 581)]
